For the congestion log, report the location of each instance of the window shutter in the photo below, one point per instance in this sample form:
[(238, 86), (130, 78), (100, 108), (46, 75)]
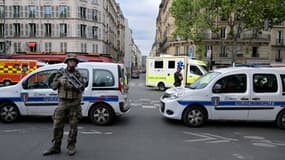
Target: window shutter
[(7, 30), (69, 31), (38, 30), (78, 31), (68, 11), (56, 12), (27, 30), (22, 30), (11, 31)]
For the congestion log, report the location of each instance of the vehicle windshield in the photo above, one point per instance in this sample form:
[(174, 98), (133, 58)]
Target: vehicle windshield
[(203, 81), (204, 68)]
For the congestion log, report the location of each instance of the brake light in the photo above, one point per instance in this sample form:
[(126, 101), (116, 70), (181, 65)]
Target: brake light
[(121, 85)]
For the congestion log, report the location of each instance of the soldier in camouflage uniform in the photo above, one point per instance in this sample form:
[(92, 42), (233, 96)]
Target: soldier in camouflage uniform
[(69, 105)]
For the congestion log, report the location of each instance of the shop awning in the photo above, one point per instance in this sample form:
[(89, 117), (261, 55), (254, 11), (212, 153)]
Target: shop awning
[(32, 44)]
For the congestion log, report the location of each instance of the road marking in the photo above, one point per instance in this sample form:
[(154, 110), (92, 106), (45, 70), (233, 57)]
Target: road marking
[(148, 107), (13, 130), (262, 142), (238, 156), (208, 138)]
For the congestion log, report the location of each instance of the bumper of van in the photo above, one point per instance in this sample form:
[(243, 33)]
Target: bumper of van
[(124, 105), (170, 109)]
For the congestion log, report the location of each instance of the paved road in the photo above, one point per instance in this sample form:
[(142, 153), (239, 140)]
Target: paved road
[(144, 134)]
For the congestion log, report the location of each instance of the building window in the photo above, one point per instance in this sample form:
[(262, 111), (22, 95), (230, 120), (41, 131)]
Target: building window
[(83, 47), (223, 32), (16, 11), (254, 52), (95, 32), (83, 30), (177, 50), (83, 12), (17, 30), (33, 30), (94, 15), (63, 30), (17, 47), (95, 48), (63, 47), (186, 49), (48, 30), (62, 11), (278, 57), (94, 1), (2, 30), (47, 11), (279, 38), (2, 15), (48, 47), (223, 52), (32, 11)]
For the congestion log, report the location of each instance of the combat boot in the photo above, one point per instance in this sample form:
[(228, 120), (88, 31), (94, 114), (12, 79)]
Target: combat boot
[(71, 149), (55, 149)]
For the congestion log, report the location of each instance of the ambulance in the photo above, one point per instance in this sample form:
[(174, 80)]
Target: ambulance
[(160, 70), (13, 70)]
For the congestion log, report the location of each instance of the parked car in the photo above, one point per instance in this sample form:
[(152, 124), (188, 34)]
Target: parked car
[(241, 93), (104, 97), (136, 75)]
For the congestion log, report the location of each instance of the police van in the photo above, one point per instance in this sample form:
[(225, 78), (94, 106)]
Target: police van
[(104, 96), (250, 94), (160, 70)]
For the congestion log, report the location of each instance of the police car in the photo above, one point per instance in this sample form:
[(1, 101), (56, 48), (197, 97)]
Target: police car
[(104, 95), (251, 94)]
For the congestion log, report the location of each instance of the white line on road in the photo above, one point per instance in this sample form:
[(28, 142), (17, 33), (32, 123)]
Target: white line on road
[(208, 138), (148, 107)]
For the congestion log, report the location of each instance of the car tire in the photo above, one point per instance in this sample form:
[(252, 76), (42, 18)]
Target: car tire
[(281, 120), (9, 113), (161, 86), (194, 116), (7, 83), (101, 114)]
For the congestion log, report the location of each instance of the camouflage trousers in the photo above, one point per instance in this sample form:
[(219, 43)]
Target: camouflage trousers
[(67, 111)]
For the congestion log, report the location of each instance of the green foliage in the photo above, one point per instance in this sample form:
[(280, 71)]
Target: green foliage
[(193, 17)]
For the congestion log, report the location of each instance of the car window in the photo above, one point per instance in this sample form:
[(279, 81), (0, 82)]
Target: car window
[(264, 83), (231, 84), (39, 80), (85, 75), (195, 70), (103, 78)]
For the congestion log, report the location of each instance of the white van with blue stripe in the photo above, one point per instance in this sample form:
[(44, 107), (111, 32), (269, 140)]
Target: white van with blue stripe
[(104, 96), (250, 94)]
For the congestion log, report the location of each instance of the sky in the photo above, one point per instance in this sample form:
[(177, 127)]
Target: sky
[(141, 16)]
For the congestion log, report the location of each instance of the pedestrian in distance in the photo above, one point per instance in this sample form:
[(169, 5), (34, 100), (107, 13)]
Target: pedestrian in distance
[(70, 85), (178, 77)]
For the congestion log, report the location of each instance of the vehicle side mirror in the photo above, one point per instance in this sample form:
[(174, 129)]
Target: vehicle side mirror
[(25, 84)]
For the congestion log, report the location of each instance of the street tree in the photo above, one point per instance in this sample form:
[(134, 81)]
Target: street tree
[(194, 17)]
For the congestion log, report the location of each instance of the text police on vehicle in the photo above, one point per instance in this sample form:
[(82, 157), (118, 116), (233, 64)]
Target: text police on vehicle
[(229, 94), (104, 95)]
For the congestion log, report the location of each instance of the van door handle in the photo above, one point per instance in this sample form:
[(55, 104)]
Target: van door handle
[(53, 94), (168, 74), (255, 99), (244, 99)]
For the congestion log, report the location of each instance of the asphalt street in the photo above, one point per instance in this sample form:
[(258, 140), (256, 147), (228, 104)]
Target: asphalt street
[(143, 134)]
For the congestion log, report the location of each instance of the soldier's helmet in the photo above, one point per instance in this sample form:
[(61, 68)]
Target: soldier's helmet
[(71, 56)]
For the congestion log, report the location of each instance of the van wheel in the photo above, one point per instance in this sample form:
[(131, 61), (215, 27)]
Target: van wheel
[(281, 120), (101, 114), (161, 86), (9, 113), (7, 83), (194, 116)]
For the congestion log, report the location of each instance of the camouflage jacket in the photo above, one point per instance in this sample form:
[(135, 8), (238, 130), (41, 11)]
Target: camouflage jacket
[(62, 83)]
